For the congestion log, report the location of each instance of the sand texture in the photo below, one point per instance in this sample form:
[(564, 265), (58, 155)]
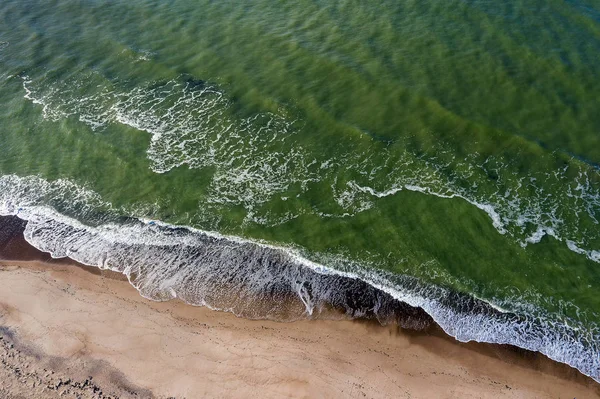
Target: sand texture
[(68, 332)]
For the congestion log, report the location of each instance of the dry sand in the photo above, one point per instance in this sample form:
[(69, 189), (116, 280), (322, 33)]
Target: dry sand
[(63, 324)]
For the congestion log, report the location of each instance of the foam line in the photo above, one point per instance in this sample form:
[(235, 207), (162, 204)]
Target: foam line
[(257, 160), (258, 280)]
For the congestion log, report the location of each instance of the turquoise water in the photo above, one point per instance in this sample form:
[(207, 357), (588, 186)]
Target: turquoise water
[(446, 152)]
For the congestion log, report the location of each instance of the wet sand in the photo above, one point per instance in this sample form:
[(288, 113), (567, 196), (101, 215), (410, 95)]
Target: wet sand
[(73, 331)]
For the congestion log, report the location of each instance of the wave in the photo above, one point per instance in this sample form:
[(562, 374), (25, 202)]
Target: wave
[(256, 161), (255, 279)]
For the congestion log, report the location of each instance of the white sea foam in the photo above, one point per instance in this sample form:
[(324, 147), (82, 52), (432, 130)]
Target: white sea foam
[(259, 280), (257, 159)]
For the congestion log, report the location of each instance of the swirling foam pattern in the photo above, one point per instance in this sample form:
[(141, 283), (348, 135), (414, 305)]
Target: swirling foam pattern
[(258, 280), (432, 159)]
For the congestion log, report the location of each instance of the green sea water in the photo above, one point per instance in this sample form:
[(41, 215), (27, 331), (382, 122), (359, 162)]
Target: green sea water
[(454, 142)]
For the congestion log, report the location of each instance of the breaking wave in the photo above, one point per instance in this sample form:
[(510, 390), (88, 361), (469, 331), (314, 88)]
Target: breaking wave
[(257, 161), (259, 280)]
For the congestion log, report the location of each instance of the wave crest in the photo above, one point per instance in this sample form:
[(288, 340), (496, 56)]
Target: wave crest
[(259, 280), (257, 161)]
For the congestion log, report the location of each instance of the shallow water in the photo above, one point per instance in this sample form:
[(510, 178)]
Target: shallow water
[(444, 152)]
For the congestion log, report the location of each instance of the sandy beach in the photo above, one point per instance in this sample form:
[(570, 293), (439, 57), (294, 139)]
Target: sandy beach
[(299, 199), (70, 331)]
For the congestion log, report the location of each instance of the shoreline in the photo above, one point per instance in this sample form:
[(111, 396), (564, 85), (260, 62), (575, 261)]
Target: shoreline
[(88, 322)]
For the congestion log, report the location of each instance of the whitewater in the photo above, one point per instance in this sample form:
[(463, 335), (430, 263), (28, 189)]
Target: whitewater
[(259, 280)]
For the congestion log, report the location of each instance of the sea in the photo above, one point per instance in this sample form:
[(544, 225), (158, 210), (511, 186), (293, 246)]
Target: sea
[(303, 159)]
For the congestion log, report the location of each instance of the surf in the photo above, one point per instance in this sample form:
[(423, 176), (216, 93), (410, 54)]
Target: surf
[(257, 279), (257, 162)]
